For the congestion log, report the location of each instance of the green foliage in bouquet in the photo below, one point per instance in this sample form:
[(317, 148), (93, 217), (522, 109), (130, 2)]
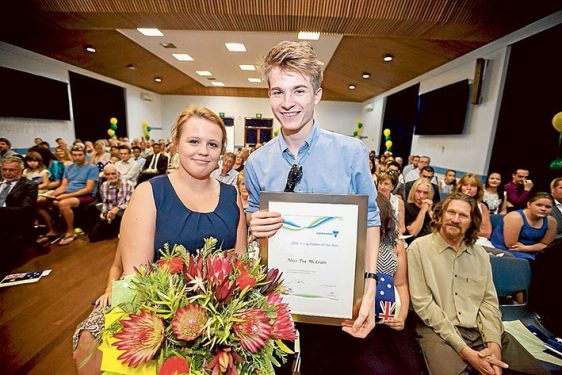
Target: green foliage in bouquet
[(213, 313)]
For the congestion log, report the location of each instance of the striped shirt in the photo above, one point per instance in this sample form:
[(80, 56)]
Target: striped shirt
[(113, 196)]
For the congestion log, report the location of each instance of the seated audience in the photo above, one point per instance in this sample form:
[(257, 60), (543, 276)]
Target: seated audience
[(556, 193), (242, 191), (429, 174), (35, 171), (238, 162), (413, 161), (78, 188), (524, 232), (137, 157), (90, 151), (386, 182), (494, 197), (127, 167), (115, 194), (37, 141), (18, 197), (471, 185), (6, 149), (173, 159), (61, 143), (414, 174), (155, 165), (518, 190), (418, 209), (448, 183), (397, 169), (54, 166), (100, 157), (226, 174), (460, 317), (63, 155)]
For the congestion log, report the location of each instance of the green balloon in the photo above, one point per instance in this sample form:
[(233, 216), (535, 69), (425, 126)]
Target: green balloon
[(147, 137), (355, 134), (148, 128), (113, 126), (556, 164), (360, 125)]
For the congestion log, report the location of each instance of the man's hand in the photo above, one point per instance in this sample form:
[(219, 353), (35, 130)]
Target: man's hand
[(484, 362), (528, 185), (265, 224), (493, 354), (365, 321), (396, 324)]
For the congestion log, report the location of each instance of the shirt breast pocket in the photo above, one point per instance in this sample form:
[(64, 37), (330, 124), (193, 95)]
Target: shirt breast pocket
[(475, 287)]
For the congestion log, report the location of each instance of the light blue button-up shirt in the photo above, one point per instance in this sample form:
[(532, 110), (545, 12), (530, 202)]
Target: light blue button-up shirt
[(331, 164)]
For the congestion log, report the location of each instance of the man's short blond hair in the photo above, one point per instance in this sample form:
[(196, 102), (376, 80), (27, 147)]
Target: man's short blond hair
[(294, 56)]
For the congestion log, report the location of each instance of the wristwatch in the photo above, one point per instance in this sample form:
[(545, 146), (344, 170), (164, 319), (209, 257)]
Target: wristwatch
[(371, 275)]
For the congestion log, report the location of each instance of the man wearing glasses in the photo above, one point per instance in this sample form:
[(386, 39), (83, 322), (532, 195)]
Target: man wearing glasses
[(306, 159)]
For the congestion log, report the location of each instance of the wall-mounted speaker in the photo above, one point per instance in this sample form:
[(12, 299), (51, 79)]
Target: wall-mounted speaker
[(478, 81)]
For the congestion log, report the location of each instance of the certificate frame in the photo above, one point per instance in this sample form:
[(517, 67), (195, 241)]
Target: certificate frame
[(360, 230)]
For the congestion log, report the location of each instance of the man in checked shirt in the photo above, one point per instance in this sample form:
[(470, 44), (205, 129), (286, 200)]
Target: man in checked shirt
[(115, 194)]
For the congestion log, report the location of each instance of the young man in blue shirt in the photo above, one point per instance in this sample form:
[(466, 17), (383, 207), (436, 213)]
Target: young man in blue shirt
[(330, 164)]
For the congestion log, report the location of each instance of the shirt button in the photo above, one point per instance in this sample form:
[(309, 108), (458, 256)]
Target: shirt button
[(459, 312), (455, 275), (456, 294)]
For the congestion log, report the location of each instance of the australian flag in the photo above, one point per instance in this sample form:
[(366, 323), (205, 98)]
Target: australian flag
[(386, 300)]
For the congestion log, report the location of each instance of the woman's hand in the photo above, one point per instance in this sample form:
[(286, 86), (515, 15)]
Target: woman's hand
[(395, 323), (104, 300)]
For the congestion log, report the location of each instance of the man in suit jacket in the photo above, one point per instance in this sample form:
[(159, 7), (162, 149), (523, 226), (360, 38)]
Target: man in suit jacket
[(18, 197), (427, 173), (155, 165), (556, 192)]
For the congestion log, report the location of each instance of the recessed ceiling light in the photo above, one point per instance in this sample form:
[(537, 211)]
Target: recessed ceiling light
[(254, 80), (203, 73), (150, 32), (182, 56), (351, 87), (168, 45), (247, 67), (235, 47), (388, 57), (90, 49), (308, 35), (131, 67), (217, 83), (366, 75), (158, 79)]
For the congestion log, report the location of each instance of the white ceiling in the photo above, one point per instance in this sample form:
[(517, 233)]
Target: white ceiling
[(207, 48)]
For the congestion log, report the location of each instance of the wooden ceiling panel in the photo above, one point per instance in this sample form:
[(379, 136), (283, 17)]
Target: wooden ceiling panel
[(421, 34)]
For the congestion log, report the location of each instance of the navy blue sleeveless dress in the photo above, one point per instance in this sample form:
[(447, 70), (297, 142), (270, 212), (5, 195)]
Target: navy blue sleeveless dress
[(177, 224)]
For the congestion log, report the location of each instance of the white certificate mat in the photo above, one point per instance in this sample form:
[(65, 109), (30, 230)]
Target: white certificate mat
[(316, 249)]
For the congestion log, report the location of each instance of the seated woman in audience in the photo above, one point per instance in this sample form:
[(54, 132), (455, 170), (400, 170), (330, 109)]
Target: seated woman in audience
[(238, 162), (36, 171), (524, 232), (418, 209), (386, 183), (100, 156), (90, 151), (63, 155), (391, 347), (494, 196), (242, 189), (188, 205), (54, 166), (471, 185)]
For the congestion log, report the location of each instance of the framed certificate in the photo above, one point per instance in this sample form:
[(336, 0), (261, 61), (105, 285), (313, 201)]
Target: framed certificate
[(320, 250)]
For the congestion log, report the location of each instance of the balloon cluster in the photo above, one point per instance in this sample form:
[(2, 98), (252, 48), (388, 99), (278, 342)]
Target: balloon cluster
[(388, 140), (146, 130), (357, 131), (276, 132), (112, 127), (557, 123)]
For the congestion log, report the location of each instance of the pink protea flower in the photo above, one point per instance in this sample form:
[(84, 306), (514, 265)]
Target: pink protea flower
[(140, 338), (244, 280), (218, 269), (283, 325), (174, 366), (254, 330), (189, 321), (175, 265), (224, 362)]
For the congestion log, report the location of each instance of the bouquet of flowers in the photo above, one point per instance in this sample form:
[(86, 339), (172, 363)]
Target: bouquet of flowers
[(213, 313)]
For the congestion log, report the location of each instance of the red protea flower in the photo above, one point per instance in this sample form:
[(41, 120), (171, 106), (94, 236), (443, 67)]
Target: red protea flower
[(140, 338), (254, 330), (195, 268), (283, 325), (224, 362), (273, 280), (189, 321), (174, 366), (224, 290), (218, 269), (175, 265), (244, 280)]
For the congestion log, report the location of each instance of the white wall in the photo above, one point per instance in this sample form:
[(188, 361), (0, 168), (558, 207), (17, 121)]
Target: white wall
[(334, 116), (22, 131)]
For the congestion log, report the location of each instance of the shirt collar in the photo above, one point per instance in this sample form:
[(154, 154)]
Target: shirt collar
[(306, 147), (441, 245)]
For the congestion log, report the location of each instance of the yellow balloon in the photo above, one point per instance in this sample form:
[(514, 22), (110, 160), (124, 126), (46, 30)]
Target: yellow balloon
[(145, 123), (388, 144), (386, 132), (113, 121), (557, 122), (110, 132)]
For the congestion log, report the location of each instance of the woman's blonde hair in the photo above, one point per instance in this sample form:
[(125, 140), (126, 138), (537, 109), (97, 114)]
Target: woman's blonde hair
[(200, 112), (415, 185)]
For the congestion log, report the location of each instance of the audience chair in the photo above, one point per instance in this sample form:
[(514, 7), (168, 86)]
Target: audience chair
[(511, 276)]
